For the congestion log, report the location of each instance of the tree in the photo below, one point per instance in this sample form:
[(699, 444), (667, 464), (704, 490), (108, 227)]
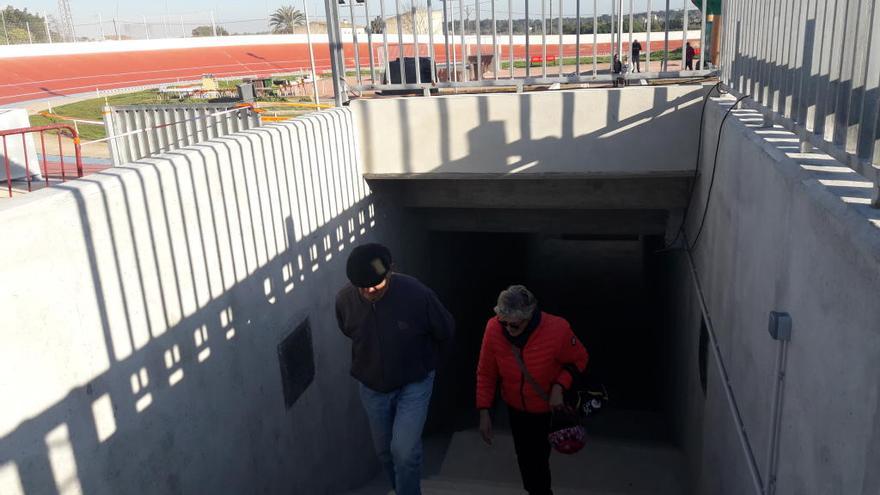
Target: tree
[(377, 25), (18, 21), (285, 19), (202, 31), (17, 36)]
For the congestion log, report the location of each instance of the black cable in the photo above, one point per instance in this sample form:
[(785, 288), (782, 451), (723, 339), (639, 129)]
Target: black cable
[(714, 168), (696, 167)]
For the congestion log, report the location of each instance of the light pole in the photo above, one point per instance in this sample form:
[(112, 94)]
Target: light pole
[(311, 52), (665, 65)]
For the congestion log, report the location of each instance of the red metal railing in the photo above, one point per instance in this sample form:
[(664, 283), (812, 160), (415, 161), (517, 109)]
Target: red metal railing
[(5, 134)]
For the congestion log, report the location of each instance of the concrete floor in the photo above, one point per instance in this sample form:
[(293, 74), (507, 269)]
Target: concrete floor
[(609, 465)]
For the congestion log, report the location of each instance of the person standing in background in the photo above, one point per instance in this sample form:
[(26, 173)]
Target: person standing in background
[(636, 53), (689, 56)]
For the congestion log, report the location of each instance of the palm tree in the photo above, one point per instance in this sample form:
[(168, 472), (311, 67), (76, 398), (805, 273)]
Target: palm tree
[(285, 19)]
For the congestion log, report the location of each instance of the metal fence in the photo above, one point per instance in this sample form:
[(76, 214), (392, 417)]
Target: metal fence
[(487, 50), (139, 131), (19, 26), (49, 168), (812, 66)]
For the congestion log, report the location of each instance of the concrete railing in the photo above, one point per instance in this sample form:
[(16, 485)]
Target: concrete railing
[(140, 344), (814, 69), (140, 131)]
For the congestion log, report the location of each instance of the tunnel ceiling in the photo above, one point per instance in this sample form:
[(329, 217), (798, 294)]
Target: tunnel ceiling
[(550, 206)]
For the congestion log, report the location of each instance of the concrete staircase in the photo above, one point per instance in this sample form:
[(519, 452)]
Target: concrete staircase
[(444, 486), (605, 467)]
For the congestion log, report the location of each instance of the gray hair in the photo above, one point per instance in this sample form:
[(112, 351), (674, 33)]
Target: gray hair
[(516, 303)]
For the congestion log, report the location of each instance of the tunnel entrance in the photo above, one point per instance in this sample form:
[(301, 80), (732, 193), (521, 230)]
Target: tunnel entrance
[(591, 254), (605, 286)]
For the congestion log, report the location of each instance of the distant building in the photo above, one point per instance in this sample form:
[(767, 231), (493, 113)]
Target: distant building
[(320, 27), (423, 23), (317, 27)]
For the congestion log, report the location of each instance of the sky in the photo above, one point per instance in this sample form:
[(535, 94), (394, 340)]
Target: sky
[(250, 16)]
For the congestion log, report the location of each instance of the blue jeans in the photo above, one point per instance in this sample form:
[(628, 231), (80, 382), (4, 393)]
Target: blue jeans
[(396, 422)]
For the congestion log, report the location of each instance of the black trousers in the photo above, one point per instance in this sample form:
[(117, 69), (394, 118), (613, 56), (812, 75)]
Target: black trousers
[(532, 449)]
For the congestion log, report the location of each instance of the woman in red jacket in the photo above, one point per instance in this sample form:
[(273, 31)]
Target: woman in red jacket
[(522, 336)]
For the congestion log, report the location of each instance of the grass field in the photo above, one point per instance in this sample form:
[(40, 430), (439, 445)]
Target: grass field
[(93, 109)]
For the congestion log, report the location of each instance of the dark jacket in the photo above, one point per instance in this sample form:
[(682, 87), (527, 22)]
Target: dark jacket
[(636, 48), (394, 340)]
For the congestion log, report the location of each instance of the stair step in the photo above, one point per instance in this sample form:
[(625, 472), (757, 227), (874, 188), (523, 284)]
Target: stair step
[(444, 486), (606, 466), (602, 467), (453, 486)]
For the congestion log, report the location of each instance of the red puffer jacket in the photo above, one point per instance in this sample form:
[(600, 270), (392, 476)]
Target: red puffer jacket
[(550, 346)]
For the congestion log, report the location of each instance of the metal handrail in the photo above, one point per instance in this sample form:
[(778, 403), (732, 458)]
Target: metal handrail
[(24, 131)]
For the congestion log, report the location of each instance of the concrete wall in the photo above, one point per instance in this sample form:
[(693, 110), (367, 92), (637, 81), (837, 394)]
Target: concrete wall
[(11, 118), (785, 231), (635, 131), (142, 308)]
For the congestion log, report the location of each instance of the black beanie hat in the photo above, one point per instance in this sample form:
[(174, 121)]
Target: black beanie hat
[(368, 264)]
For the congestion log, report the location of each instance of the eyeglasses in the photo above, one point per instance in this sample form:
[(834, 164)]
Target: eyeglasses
[(511, 324), (381, 285)]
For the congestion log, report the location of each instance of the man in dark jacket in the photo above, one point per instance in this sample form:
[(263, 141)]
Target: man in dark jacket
[(636, 53), (689, 54), (396, 325)]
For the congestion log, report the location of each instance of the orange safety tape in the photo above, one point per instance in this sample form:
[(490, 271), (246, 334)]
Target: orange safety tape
[(293, 104), (251, 106), (63, 117)]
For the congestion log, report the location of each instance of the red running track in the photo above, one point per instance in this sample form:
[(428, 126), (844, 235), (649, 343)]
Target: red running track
[(31, 78)]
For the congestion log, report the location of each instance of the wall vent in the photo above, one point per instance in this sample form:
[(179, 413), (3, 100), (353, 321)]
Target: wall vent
[(297, 360)]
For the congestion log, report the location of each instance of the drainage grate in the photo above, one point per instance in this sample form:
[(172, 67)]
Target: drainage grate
[(297, 360)]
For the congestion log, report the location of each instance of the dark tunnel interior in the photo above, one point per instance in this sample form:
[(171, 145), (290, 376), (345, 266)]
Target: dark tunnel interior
[(606, 287)]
